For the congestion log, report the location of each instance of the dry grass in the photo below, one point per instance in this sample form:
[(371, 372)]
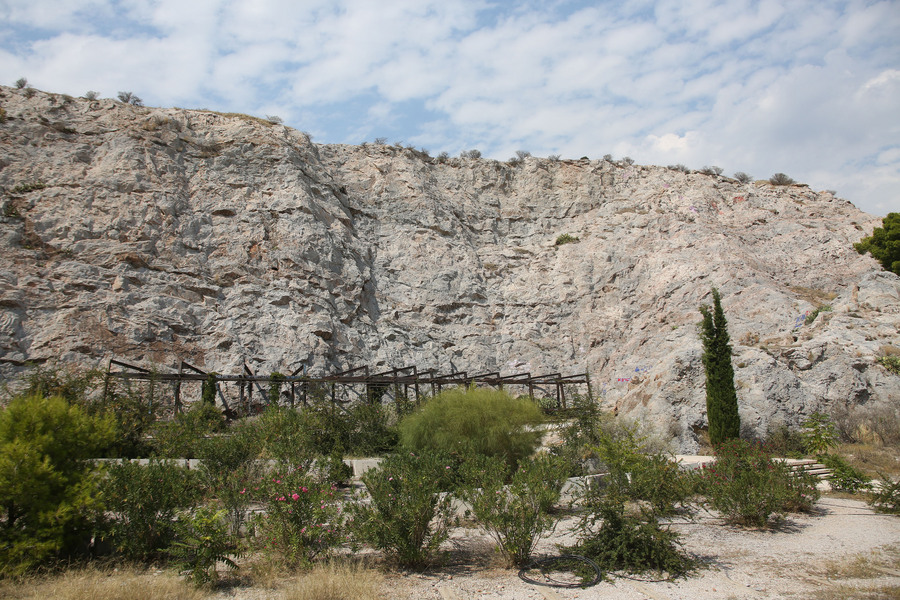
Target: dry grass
[(864, 592), (814, 296), (871, 565), (102, 584), (336, 581), (333, 581), (865, 566), (873, 459)]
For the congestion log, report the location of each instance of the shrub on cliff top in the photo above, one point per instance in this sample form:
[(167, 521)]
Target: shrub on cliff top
[(884, 243)]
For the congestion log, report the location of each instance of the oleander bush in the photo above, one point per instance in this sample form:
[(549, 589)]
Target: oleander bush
[(303, 518), (143, 501), (229, 466), (282, 436), (643, 475), (405, 512), (516, 515), (748, 488)]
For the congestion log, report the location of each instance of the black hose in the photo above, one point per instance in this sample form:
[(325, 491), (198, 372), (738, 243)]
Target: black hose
[(544, 565)]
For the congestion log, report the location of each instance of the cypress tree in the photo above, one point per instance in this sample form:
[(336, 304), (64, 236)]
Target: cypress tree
[(721, 397)]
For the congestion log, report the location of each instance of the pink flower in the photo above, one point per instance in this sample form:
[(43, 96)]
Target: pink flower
[(295, 496)]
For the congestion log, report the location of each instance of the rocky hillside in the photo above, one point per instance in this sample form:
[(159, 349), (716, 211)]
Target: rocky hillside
[(157, 234)]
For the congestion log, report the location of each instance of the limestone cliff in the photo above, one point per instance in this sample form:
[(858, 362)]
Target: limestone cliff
[(151, 234)]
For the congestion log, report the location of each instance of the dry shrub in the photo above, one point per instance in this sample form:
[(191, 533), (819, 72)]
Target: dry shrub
[(337, 581), (876, 425), (99, 584)]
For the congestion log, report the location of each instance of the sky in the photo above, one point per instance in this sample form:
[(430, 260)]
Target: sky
[(806, 88)]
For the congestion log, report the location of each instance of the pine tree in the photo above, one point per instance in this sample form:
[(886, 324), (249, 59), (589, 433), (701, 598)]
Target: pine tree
[(721, 397)]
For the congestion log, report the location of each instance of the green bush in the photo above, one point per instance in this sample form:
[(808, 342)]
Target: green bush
[(641, 475), (516, 515), (48, 499), (627, 508), (566, 239), (844, 476), (373, 430), (333, 469), (406, 515), (811, 317), (282, 436), (781, 440), (632, 542), (886, 495), (208, 390), (72, 385), (748, 488), (890, 362), (466, 421), (229, 467), (181, 437), (133, 410), (580, 434), (202, 540), (884, 243), (30, 186), (275, 386), (303, 518), (325, 428), (819, 434), (144, 501)]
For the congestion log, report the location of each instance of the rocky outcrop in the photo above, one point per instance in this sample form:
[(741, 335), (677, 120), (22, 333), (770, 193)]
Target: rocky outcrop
[(151, 234)]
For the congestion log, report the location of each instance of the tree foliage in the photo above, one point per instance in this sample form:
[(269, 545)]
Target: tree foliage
[(721, 397), (48, 488), (884, 243)]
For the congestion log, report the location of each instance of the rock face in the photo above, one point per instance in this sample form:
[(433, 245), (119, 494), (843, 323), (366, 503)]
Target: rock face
[(156, 234)]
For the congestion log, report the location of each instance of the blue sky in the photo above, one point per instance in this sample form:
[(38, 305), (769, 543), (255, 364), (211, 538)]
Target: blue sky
[(808, 88)]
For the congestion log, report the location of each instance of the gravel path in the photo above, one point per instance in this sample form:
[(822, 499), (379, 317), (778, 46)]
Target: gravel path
[(841, 552)]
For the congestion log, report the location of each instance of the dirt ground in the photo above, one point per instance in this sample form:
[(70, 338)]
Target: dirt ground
[(845, 550)]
